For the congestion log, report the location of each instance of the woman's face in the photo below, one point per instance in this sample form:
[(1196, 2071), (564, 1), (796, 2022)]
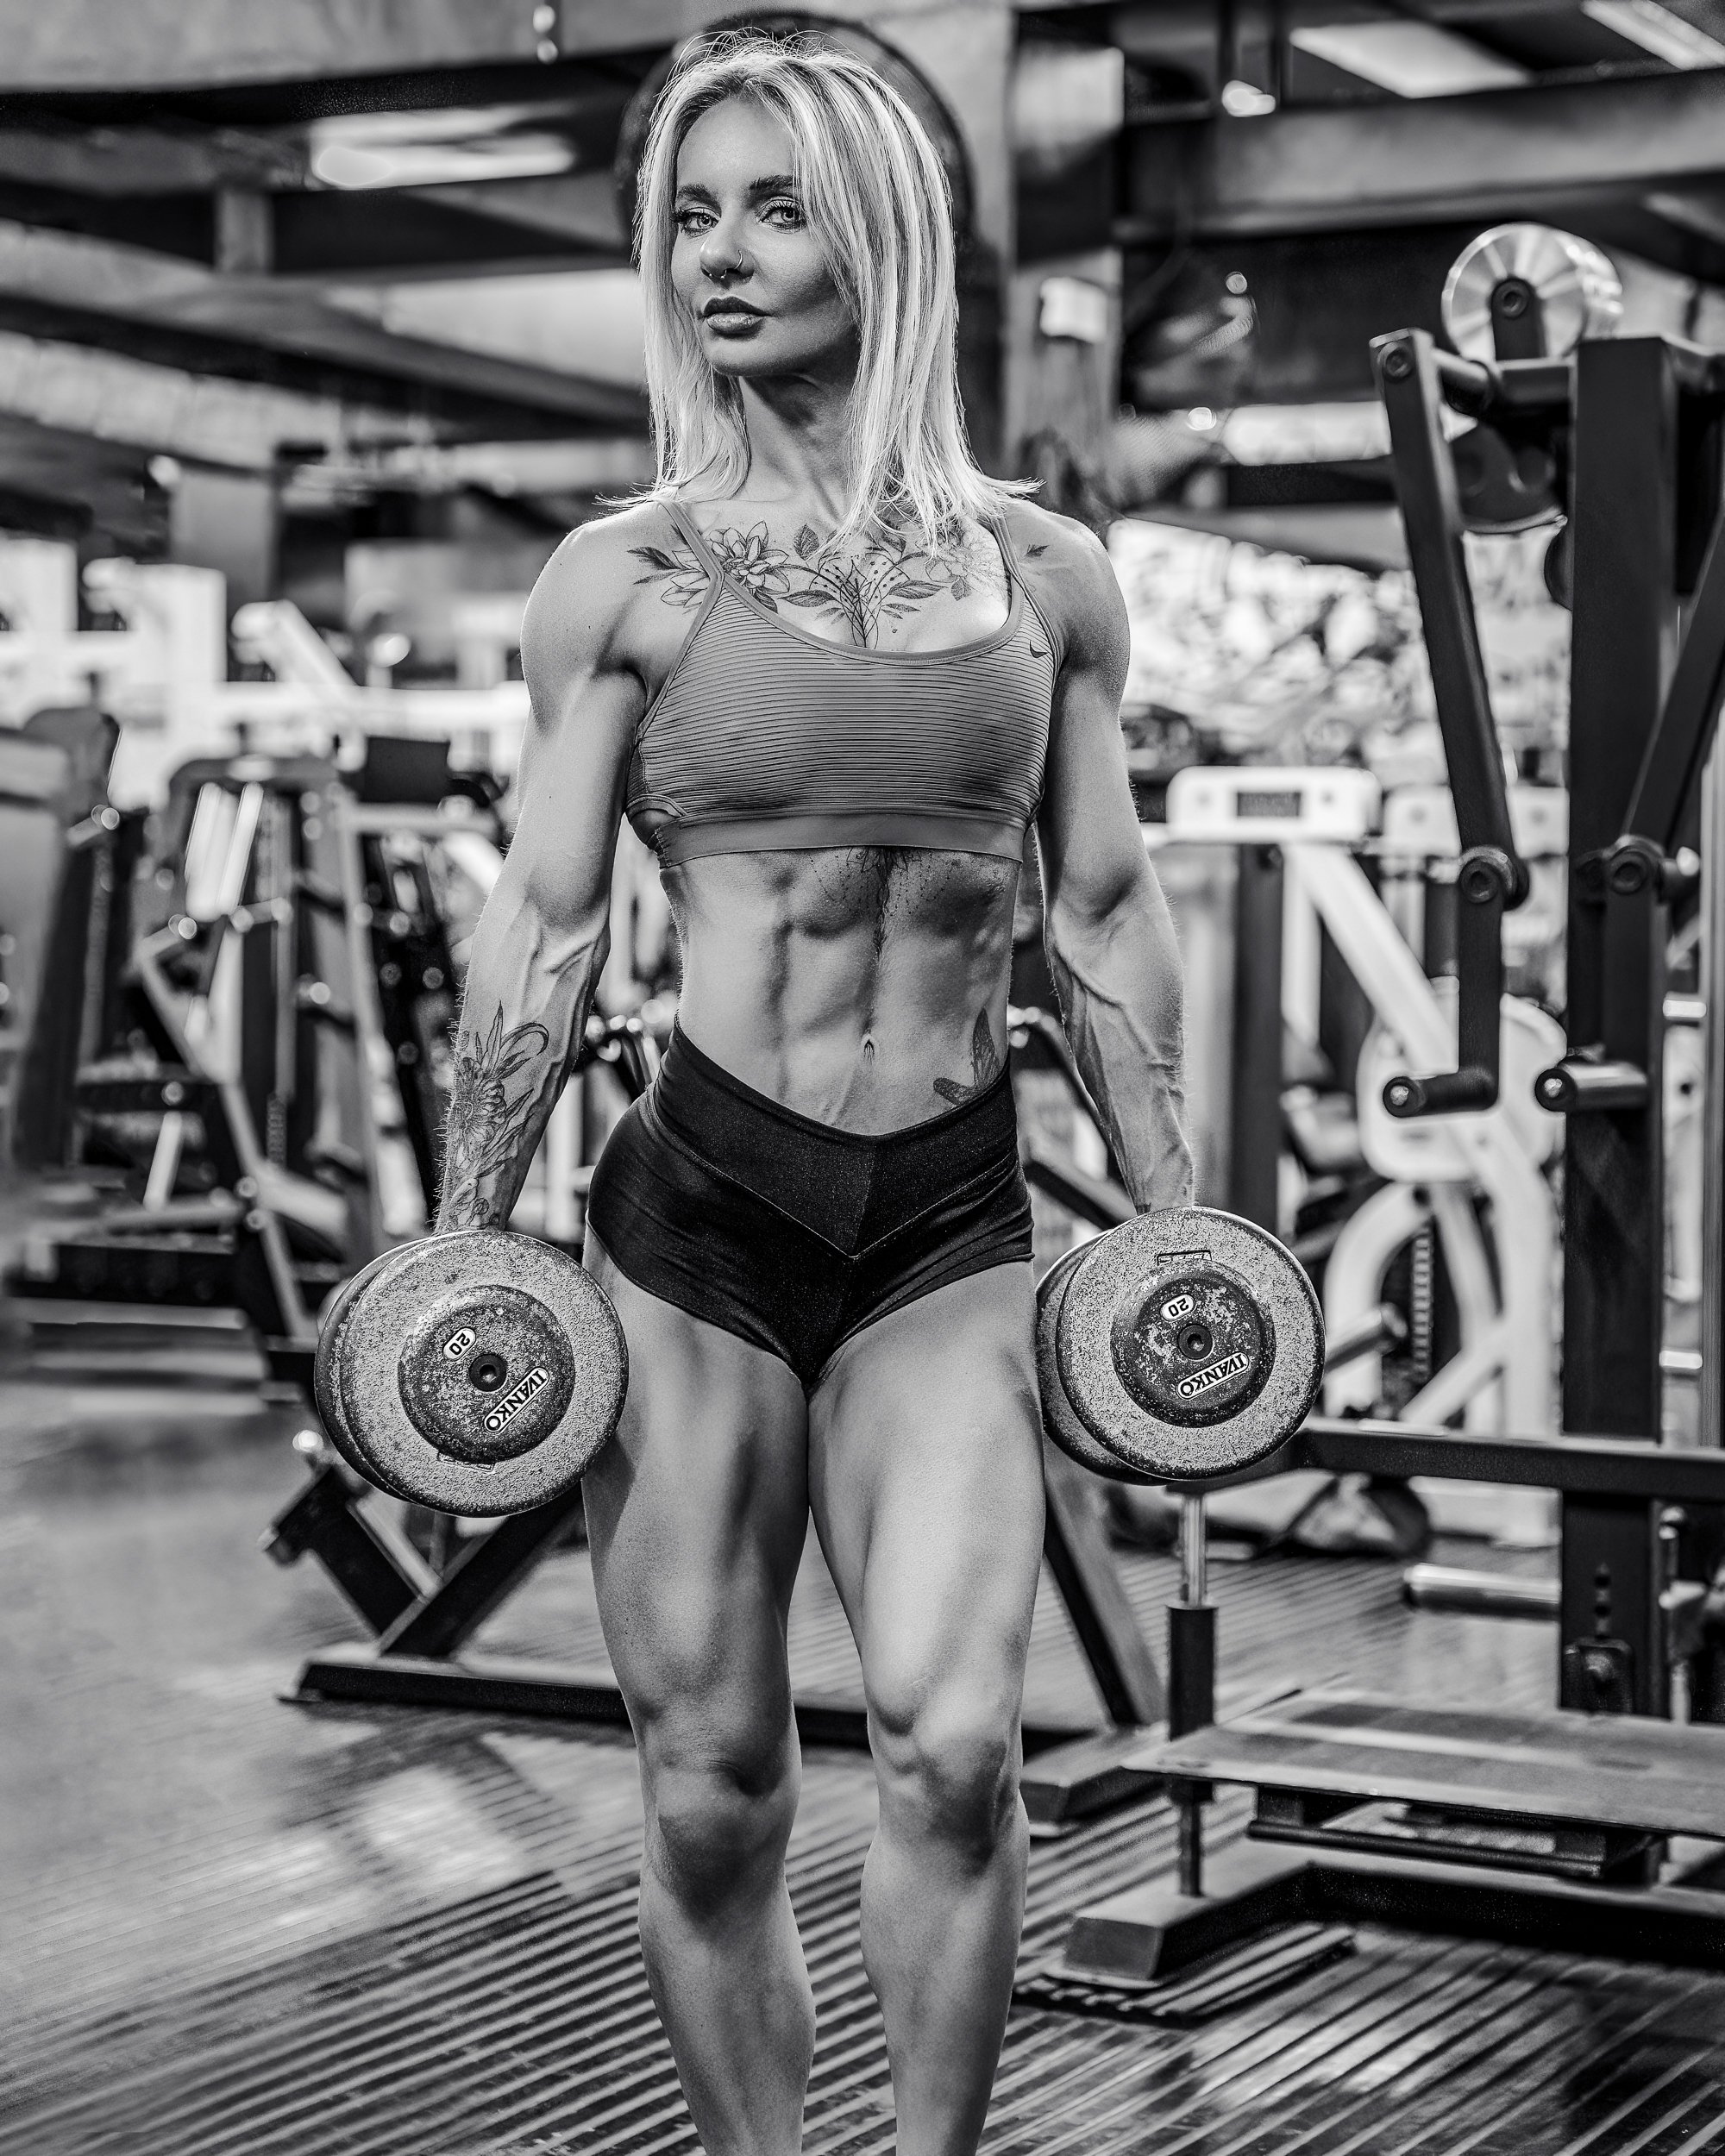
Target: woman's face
[(744, 261)]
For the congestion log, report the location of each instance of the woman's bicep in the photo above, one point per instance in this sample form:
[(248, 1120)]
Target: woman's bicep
[(587, 706), (1092, 848)]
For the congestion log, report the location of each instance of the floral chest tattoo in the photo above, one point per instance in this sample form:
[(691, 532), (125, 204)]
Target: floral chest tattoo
[(865, 587)]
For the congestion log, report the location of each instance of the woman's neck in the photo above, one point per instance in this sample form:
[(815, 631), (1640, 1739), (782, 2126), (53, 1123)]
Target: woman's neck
[(799, 431)]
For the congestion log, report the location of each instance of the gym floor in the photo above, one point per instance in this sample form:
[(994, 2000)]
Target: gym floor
[(234, 1924)]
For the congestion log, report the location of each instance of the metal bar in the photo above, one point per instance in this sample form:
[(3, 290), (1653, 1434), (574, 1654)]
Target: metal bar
[(380, 1574), (1683, 738), (1458, 1592), (487, 1571), (1370, 1334), (486, 1685), (1712, 1431), (1104, 1204), (1084, 1571), (1152, 1931), (1408, 381), (1255, 1087), (1624, 617), (1609, 1620), (1602, 1467), (1396, 161)]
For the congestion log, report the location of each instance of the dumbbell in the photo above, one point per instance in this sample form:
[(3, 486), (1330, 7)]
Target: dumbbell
[(1179, 1347), (477, 1373)]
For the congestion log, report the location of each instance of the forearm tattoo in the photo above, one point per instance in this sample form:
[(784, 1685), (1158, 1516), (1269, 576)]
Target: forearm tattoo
[(985, 1065), (887, 576), (487, 1122)]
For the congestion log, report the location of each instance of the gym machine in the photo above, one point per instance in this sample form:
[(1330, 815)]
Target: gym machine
[(269, 1072), (1548, 1828)]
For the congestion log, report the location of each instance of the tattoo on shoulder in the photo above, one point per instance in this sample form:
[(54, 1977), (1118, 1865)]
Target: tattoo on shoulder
[(884, 578), (985, 1065), (484, 1123)]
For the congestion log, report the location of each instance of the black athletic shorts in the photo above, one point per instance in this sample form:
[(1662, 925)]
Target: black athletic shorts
[(790, 1233)]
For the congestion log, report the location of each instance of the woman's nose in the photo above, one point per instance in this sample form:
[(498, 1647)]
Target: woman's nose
[(720, 256)]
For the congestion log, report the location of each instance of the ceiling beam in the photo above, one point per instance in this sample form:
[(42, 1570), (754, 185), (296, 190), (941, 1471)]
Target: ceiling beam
[(66, 487), (106, 46), (1504, 153), (109, 397), (129, 284)]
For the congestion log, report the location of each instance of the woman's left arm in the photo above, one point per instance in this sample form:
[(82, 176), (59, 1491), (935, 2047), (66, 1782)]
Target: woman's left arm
[(1109, 935)]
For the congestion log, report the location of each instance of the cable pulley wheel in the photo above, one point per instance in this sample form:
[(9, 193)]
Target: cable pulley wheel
[(1580, 293)]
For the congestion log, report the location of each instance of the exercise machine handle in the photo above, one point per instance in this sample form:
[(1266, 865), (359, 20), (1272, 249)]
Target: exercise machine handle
[(1414, 381)]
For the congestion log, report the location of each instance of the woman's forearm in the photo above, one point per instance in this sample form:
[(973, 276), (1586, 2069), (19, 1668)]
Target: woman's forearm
[(1122, 998), (528, 993)]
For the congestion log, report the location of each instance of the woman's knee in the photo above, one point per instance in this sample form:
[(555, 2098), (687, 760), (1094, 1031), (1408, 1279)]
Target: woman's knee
[(719, 1810), (948, 1766)]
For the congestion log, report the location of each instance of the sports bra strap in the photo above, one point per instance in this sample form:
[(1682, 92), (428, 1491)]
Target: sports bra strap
[(691, 531)]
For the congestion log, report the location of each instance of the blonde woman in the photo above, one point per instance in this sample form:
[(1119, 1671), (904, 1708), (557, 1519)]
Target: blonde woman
[(833, 673)]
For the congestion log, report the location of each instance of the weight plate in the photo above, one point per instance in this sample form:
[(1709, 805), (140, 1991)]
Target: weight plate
[(1190, 1342), (324, 1390), (530, 1309), (1580, 293), (486, 1376), (1058, 1419)]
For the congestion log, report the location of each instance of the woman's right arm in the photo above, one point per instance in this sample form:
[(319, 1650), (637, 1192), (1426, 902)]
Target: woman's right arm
[(541, 941)]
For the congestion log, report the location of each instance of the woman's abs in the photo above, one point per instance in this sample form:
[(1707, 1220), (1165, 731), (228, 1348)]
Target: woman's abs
[(865, 987)]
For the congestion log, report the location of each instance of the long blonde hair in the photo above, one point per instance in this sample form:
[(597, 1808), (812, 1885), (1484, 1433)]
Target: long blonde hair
[(876, 196)]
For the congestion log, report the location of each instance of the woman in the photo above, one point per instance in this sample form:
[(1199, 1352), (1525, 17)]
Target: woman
[(833, 673)]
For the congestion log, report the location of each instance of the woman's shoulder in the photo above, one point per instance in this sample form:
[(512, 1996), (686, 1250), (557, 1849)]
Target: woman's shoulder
[(606, 552), (1067, 570), (590, 587)]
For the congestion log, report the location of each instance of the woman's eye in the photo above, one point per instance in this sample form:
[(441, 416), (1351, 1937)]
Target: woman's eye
[(786, 211), (693, 220)]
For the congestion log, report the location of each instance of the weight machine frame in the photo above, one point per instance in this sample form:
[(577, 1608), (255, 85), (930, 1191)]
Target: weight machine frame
[(1642, 425), (1616, 1905)]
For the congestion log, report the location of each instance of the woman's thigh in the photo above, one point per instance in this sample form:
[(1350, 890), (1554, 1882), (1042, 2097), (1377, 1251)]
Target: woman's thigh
[(926, 1481), (697, 1512)]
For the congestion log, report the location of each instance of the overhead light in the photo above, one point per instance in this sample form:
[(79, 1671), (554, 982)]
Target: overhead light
[(1246, 101), (1658, 31), (351, 165), (1409, 59), (433, 149)]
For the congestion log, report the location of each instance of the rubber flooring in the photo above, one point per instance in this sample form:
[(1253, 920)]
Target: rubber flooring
[(231, 1924)]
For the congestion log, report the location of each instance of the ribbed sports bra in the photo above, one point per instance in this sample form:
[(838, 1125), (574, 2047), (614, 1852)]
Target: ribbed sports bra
[(765, 739)]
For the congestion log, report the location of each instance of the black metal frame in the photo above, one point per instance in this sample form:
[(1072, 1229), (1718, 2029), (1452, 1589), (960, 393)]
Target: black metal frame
[(1641, 420), (1152, 1932), (1415, 380)]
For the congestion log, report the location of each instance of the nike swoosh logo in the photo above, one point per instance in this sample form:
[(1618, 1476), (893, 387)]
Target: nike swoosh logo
[(1036, 654)]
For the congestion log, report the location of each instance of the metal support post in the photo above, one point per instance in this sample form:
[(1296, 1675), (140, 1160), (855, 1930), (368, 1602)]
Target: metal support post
[(1625, 645), (1713, 1102), (1255, 1102), (1191, 1682)]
